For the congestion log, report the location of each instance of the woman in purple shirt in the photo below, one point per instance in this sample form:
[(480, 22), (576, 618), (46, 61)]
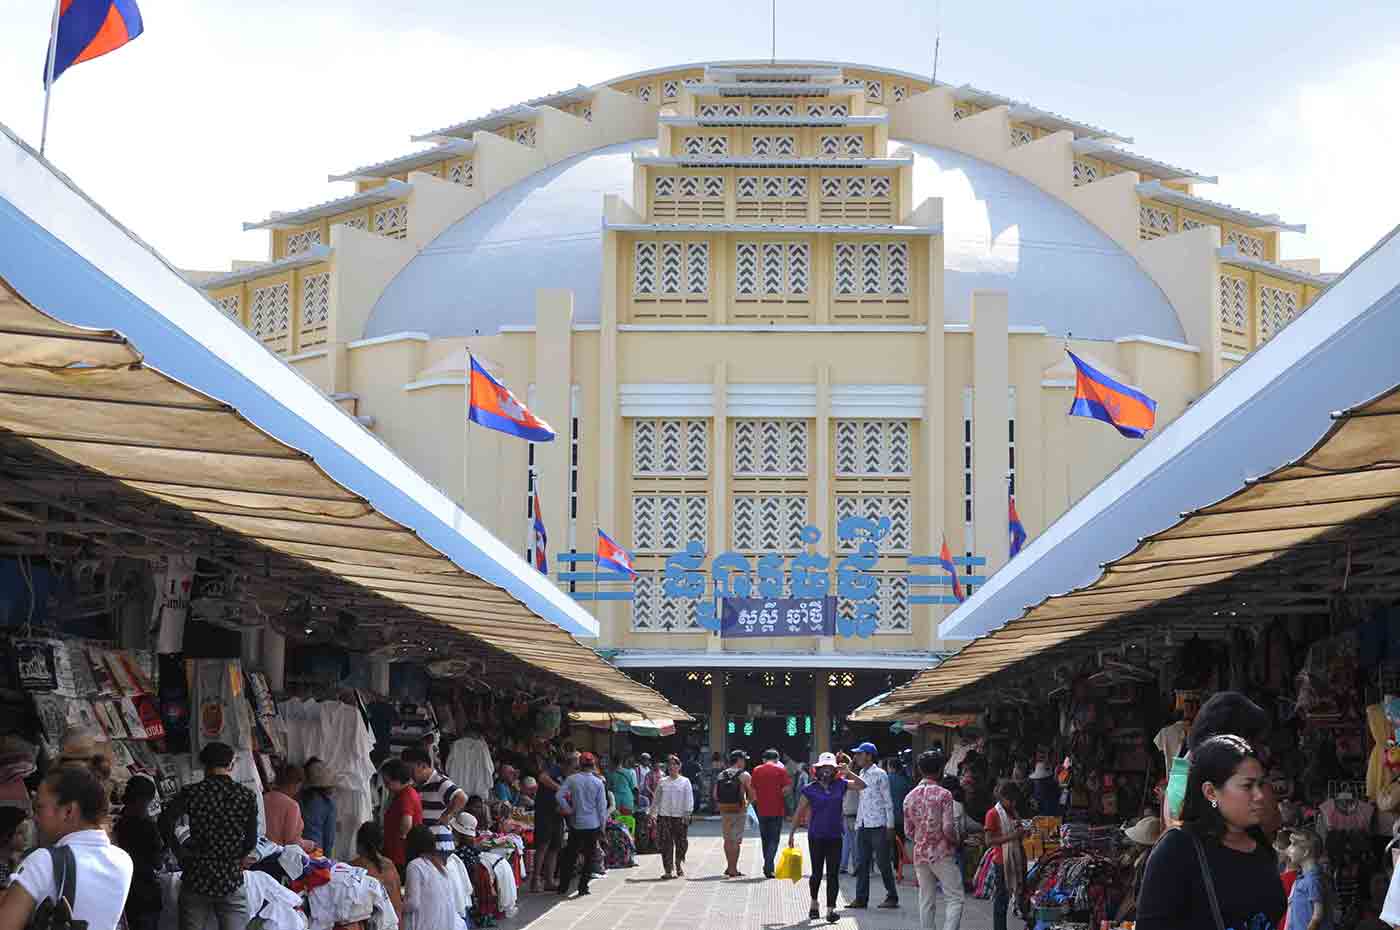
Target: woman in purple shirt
[(822, 798)]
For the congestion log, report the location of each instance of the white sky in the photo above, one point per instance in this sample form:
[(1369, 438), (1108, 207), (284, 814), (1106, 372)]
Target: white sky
[(223, 112)]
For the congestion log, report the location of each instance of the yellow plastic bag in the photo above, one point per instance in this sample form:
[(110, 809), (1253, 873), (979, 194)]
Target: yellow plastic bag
[(789, 864)]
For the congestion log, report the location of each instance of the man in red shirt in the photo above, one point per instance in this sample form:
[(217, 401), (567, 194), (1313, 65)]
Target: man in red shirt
[(770, 783), (405, 810)]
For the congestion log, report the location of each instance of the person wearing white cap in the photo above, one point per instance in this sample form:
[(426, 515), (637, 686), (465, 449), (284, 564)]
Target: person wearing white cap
[(428, 901), (463, 827), (823, 799), (1144, 835)]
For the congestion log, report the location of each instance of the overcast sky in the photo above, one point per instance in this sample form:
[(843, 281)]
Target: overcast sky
[(223, 112)]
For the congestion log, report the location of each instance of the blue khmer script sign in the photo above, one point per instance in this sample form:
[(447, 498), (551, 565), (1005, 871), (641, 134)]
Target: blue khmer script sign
[(745, 617)]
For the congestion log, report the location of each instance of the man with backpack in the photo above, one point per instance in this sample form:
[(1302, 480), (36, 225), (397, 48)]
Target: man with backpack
[(79, 880), (733, 794)]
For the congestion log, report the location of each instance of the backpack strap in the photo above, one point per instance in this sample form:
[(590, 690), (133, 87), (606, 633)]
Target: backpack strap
[(1208, 880), (66, 875)]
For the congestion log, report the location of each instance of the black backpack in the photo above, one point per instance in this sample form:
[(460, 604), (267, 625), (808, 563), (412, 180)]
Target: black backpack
[(57, 914), (728, 789)]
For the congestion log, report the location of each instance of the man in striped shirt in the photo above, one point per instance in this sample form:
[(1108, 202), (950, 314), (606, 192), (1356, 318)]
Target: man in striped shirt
[(442, 800)]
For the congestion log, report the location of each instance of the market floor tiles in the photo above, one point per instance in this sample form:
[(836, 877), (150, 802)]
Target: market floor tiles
[(637, 898)]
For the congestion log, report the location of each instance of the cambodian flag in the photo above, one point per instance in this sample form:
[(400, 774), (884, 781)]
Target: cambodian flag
[(541, 540), (1097, 395), (945, 559), (1018, 531), (611, 555), (90, 28), (493, 406)]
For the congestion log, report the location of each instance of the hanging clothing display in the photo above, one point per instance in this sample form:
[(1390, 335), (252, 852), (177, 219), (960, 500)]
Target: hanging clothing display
[(220, 710), (470, 767), (335, 733)]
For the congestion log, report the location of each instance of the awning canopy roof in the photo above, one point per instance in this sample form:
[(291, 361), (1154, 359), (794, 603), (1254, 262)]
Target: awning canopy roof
[(134, 413), (1235, 548)]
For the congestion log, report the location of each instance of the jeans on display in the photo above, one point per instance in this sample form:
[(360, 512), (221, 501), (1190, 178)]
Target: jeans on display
[(673, 836), (944, 872), (826, 856), (848, 841), (1001, 899), (873, 843), (230, 910), (581, 842), (771, 831)]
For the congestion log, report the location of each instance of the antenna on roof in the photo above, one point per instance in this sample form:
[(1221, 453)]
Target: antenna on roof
[(773, 51), (937, 40)]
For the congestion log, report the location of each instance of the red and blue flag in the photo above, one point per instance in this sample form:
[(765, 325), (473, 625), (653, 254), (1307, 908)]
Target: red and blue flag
[(492, 405), (611, 555), (1017, 529), (945, 560), (90, 28), (1098, 396), (540, 547)]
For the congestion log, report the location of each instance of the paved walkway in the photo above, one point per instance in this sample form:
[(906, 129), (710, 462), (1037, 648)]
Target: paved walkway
[(636, 899)]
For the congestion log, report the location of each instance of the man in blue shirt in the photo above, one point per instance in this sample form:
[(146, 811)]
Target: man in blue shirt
[(584, 800)]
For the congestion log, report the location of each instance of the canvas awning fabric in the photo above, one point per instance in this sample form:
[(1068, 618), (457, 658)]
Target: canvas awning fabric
[(114, 369), (1260, 500)]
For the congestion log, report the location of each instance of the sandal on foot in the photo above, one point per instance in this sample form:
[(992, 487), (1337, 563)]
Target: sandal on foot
[(814, 912)]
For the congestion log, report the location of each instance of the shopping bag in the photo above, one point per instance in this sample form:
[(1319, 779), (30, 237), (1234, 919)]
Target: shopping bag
[(789, 864), (752, 817)]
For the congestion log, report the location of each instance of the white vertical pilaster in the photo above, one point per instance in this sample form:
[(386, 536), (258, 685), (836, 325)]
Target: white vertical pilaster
[(990, 410)]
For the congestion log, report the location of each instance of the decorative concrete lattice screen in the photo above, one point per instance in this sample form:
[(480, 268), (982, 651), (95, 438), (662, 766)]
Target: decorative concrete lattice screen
[(774, 146), (463, 173), (1234, 313), (871, 270), (230, 306), (670, 270), (315, 308), (897, 507), (654, 612), (770, 448), (769, 522), (779, 270), (1154, 222), (1020, 135), (1277, 308), (893, 601), (271, 316), (1253, 246), (874, 448), (1084, 172), (666, 522), (670, 447), (299, 242), (392, 221)]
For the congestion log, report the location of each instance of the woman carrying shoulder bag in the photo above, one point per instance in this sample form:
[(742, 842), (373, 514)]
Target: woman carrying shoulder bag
[(1218, 870)]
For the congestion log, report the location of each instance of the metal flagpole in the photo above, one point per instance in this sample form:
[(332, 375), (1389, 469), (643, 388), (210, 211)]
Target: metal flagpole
[(48, 74), (773, 51), (937, 40)]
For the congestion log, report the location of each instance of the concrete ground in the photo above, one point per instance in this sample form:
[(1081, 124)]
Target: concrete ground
[(637, 899)]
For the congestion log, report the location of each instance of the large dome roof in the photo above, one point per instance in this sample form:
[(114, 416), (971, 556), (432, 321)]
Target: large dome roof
[(1000, 232)]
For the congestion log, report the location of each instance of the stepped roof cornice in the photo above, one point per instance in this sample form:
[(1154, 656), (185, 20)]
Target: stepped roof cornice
[(496, 119), (863, 229), (390, 190), (1034, 116), (772, 89), (452, 149), (1103, 151), (1221, 211), (777, 122), (312, 256), (1231, 255), (758, 161)]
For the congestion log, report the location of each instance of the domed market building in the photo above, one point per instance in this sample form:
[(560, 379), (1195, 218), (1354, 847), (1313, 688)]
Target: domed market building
[(762, 303)]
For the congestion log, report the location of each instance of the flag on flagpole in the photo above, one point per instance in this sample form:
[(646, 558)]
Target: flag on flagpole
[(88, 29), (1099, 397), (541, 539), (1018, 531), (945, 559), (492, 405), (611, 555)]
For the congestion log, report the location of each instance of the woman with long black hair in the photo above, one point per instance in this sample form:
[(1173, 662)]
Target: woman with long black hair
[(1218, 870)]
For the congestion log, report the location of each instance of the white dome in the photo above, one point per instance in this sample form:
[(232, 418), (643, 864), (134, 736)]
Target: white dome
[(1000, 232)]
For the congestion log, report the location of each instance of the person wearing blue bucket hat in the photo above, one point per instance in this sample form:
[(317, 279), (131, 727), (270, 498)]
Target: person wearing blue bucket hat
[(874, 820)]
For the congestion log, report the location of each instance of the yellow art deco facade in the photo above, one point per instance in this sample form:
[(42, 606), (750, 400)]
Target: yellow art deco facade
[(757, 297)]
